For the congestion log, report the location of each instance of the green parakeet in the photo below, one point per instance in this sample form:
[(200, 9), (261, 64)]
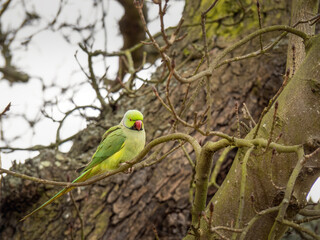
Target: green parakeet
[(119, 144)]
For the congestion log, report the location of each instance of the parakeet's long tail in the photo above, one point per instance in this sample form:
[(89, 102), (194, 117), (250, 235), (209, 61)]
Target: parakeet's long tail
[(81, 178)]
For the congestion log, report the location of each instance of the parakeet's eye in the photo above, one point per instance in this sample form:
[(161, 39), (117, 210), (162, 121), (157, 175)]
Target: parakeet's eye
[(130, 119)]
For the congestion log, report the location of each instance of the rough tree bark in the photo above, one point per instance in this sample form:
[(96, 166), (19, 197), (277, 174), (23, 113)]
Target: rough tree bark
[(128, 206), (297, 106)]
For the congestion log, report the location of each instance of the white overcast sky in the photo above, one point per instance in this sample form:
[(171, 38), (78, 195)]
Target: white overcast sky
[(50, 58)]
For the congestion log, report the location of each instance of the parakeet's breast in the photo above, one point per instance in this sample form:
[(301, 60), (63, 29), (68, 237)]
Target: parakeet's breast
[(135, 141), (132, 146)]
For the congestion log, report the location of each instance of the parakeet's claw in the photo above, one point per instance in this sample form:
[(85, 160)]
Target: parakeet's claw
[(129, 170)]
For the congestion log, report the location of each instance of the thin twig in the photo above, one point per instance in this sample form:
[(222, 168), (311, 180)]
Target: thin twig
[(260, 24), (148, 164), (249, 114), (184, 99), (40, 147), (311, 21), (313, 153), (162, 12), (4, 7), (288, 192), (208, 84), (216, 63), (239, 221), (309, 212), (230, 229), (217, 167), (6, 109), (256, 218), (308, 219), (67, 114), (266, 109), (274, 152), (220, 234), (78, 214), (301, 229), (188, 156), (161, 100), (293, 59), (238, 119), (155, 232), (256, 53), (274, 119), (193, 96), (93, 78)]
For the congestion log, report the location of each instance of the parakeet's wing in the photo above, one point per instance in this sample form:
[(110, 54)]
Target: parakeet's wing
[(113, 140)]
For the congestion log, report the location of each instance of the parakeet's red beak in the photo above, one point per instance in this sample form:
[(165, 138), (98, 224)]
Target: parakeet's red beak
[(138, 125)]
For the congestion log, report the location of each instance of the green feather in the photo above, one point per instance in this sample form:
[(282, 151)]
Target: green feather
[(112, 141)]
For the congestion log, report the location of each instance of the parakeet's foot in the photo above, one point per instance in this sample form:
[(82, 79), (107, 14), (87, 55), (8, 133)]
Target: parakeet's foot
[(129, 170)]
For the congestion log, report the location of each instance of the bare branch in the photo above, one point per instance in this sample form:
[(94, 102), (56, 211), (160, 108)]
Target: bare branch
[(6, 109)]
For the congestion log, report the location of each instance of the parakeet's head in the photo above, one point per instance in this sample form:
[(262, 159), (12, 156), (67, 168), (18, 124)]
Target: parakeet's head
[(133, 119)]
